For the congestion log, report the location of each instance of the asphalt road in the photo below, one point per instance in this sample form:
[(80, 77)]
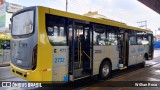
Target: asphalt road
[(131, 74), (6, 75)]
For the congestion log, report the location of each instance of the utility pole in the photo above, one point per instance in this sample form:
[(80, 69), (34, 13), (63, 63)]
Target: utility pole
[(143, 24), (66, 5)]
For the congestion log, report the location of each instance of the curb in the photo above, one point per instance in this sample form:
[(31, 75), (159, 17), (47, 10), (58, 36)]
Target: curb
[(4, 64)]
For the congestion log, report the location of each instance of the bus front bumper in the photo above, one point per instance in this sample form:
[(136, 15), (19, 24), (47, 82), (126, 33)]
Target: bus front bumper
[(29, 75)]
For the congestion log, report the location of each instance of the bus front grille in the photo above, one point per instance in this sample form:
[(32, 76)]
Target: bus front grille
[(19, 73)]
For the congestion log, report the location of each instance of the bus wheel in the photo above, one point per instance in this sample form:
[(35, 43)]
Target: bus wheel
[(146, 56), (143, 64), (105, 70)]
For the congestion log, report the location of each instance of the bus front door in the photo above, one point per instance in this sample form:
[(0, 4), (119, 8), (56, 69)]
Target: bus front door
[(81, 51)]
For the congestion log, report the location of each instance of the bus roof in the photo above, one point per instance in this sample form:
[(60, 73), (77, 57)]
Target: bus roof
[(95, 20), (89, 19)]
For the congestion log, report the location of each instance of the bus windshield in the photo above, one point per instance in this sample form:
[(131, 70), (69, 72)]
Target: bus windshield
[(23, 23)]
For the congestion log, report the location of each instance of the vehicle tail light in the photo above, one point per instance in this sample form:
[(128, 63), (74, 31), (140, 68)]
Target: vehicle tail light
[(34, 58)]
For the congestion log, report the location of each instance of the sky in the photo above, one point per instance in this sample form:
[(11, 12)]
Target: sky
[(126, 11)]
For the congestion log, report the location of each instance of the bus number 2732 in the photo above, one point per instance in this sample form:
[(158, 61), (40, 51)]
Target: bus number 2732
[(57, 60)]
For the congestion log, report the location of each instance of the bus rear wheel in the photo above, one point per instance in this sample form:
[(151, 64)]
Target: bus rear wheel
[(143, 64), (105, 70)]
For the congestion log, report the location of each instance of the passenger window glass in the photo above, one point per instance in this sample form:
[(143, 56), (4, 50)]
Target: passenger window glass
[(50, 29), (139, 40), (56, 30), (149, 40), (55, 34), (145, 41), (112, 39), (132, 40), (99, 35), (61, 31), (142, 39), (105, 37), (111, 36), (70, 33)]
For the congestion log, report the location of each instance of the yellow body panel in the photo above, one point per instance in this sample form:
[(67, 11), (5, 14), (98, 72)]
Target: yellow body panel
[(35, 75), (44, 46)]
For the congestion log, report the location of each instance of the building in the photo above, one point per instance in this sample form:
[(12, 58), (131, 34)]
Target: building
[(99, 16), (6, 11)]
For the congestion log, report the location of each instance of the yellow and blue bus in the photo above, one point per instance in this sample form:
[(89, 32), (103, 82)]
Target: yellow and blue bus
[(53, 45)]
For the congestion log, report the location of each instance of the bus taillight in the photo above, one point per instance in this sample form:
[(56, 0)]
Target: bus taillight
[(34, 58)]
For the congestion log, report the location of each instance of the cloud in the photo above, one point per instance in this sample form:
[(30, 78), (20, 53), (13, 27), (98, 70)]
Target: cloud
[(132, 11)]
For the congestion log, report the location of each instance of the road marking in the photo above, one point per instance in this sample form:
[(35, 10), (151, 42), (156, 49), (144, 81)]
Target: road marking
[(5, 67)]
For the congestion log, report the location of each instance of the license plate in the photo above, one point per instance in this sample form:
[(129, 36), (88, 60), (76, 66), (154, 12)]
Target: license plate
[(19, 61)]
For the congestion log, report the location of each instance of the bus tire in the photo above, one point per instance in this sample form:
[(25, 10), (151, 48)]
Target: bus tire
[(105, 70), (146, 56), (143, 64)]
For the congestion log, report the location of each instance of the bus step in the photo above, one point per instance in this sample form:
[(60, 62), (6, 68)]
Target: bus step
[(123, 68), (81, 77), (78, 72), (78, 69), (85, 71), (149, 58), (76, 65)]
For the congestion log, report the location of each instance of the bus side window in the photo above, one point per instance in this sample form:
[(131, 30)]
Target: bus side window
[(132, 40), (56, 31), (61, 29), (50, 31), (100, 39), (111, 35), (142, 39), (70, 33), (99, 35), (112, 39), (139, 40)]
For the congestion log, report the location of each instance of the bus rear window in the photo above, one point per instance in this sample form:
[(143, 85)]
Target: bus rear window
[(56, 30), (23, 23)]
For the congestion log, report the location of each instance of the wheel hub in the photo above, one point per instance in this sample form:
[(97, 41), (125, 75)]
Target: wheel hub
[(105, 70)]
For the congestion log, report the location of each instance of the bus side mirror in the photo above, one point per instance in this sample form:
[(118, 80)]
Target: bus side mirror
[(10, 19)]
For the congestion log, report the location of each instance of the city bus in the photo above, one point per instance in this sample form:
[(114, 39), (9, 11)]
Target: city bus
[(57, 46)]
